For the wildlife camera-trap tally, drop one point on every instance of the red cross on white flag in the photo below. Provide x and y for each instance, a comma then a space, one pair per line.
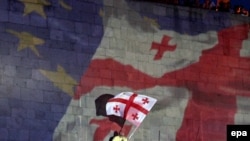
131, 106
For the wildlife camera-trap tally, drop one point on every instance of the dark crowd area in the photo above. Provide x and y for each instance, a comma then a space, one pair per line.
217, 5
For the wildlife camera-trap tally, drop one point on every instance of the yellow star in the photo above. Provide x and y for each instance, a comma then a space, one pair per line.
27, 40
151, 21
35, 6
61, 80
64, 5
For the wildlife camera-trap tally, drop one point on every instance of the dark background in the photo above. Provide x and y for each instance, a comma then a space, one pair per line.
244, 3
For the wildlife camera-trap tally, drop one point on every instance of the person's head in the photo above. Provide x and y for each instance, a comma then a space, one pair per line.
119, 138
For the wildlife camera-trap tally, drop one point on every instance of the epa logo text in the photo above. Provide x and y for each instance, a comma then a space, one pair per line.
238, 132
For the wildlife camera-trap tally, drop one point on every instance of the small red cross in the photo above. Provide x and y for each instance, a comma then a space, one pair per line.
135, 116
162, 47
116, 108
145, 100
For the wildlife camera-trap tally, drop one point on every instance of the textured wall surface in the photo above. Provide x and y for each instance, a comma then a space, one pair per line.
58, 56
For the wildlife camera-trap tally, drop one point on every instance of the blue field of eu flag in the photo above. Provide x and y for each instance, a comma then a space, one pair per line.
43, 44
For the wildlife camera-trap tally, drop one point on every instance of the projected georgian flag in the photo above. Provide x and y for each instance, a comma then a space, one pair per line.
131, 106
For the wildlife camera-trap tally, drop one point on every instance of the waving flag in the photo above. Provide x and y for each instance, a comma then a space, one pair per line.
131, 106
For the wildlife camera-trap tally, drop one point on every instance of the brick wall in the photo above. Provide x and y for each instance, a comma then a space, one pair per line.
58, 56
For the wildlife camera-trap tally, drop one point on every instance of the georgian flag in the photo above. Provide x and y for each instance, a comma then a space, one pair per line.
131, 106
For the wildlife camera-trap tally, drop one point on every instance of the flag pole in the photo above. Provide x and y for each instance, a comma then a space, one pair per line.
133, 132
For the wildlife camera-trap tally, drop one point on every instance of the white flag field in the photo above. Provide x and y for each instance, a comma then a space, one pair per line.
131, 106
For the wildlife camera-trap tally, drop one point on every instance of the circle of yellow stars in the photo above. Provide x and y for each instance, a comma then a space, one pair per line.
59, 78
